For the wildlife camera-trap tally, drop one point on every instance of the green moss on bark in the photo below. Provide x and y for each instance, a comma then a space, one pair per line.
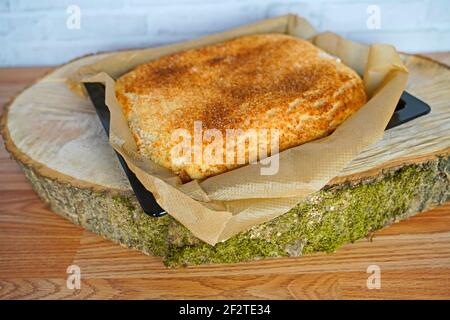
322, 222
329, 218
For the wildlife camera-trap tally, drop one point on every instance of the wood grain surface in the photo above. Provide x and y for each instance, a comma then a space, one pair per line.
37, 246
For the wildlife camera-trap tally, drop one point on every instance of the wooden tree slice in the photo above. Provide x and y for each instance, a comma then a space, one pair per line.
58, 140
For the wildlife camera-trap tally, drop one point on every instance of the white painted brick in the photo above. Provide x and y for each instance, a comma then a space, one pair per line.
33, 32
311, 10
407, 41
404, 15
4, 61
51, 53
344, 17
151, 3
23, 26
101, 26
439, 13
26, 5
354, 16
4, 5
443, 41
196, 20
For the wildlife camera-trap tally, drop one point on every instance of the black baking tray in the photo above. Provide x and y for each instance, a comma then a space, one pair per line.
146, 199
408, 108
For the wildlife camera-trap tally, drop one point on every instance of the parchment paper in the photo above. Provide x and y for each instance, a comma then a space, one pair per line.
221, 206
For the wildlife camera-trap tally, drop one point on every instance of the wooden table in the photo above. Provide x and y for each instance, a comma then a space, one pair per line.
37, 246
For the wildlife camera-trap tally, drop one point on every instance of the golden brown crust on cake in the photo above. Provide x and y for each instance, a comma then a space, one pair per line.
267, 81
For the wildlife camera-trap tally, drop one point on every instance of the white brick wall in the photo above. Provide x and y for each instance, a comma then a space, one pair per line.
34, 32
